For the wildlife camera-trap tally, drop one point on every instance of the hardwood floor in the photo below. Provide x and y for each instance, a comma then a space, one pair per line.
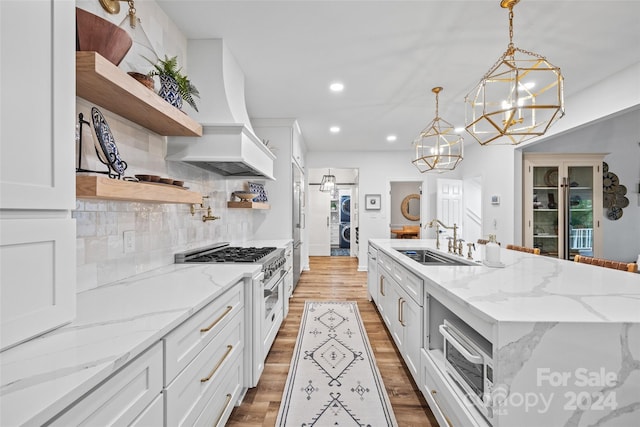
333, 279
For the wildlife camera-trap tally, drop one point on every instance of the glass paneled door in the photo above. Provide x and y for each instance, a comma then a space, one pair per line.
562, 196
578, 192
545, 210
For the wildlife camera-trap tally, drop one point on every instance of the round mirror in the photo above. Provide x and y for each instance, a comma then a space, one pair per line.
411, 207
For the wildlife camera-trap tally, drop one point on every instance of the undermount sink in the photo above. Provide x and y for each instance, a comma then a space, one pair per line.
427, 257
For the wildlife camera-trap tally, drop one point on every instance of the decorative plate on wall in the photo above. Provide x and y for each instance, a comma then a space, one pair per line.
609, 182
613, 194
107, 142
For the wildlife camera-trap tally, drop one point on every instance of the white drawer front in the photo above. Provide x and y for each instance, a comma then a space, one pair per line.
186, 396
152, 416
218, 409
122, 398
411, 283
187, 340
385, 262
446, 405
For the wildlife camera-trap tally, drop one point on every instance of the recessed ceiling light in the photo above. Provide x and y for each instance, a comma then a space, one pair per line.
334, 129
336, 87
391, 138
459, 130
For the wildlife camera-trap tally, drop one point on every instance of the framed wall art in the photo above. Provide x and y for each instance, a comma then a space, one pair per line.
372, 202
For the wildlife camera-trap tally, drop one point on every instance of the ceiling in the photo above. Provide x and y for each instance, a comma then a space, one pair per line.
389, 54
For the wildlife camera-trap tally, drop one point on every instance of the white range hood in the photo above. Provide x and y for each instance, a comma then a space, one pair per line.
228, 145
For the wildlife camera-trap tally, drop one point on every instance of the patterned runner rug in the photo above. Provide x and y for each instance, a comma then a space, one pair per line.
333, 378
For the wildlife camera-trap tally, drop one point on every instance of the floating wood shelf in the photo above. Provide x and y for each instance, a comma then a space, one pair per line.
248, 205
101, 82
102, 187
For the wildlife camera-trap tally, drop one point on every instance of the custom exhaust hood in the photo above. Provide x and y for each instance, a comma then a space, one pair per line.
228, 145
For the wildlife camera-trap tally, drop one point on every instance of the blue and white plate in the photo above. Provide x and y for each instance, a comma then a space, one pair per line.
107, 142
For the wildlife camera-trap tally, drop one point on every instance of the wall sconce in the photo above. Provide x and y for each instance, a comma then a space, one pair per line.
113, 7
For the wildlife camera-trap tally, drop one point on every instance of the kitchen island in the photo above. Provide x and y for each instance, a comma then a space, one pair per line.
564, 338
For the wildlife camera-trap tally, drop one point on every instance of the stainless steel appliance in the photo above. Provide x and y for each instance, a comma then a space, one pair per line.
263, 299
298, 221
469, 362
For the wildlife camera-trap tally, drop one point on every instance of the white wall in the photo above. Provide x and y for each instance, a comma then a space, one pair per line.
376, 169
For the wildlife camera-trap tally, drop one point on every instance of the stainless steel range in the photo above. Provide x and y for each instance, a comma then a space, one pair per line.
263, 299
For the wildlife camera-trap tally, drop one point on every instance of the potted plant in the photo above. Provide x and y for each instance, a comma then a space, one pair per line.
174, 86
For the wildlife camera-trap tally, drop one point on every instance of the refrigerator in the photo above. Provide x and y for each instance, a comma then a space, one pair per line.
298, 221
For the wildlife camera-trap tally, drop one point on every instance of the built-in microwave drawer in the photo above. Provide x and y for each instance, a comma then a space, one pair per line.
122, 398
187, 396
448, 405
183, 343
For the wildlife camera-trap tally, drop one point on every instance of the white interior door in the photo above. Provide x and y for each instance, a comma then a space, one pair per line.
449, 204
319, 232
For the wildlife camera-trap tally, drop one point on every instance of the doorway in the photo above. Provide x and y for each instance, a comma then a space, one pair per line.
405, 202
334, 214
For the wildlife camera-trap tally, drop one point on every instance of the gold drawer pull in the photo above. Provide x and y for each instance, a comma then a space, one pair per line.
215, 322
224, 409
435, 399
215, 368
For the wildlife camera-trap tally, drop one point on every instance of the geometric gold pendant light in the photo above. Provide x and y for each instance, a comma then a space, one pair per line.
519, 98
438, 147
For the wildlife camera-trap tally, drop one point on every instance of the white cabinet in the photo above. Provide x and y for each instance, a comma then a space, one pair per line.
399, 299
35, 300
406, 328
37, 174
187, 340
37, 112
124, 398
404, 311
204, 359
563, 204
372, 274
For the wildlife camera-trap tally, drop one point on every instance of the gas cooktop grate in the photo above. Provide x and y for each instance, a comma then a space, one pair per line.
234, 254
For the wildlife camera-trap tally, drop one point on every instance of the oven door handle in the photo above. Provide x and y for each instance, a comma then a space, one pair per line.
473, 358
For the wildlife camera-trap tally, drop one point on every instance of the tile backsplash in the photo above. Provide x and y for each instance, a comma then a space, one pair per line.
160, 230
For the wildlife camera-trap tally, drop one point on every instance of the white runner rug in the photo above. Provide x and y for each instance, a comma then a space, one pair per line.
333, 378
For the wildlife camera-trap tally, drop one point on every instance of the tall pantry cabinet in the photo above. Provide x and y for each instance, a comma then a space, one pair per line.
562, 209
37, 172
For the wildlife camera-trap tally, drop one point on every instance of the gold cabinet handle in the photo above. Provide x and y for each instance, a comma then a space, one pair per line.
215, 368
401, 312
215, 322
435, 399
224, 409
382, 285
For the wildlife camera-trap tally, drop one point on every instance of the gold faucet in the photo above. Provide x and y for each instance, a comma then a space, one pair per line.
208, 216
437, 223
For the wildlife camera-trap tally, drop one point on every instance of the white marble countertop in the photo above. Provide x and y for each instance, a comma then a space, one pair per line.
114, 324
531, 288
